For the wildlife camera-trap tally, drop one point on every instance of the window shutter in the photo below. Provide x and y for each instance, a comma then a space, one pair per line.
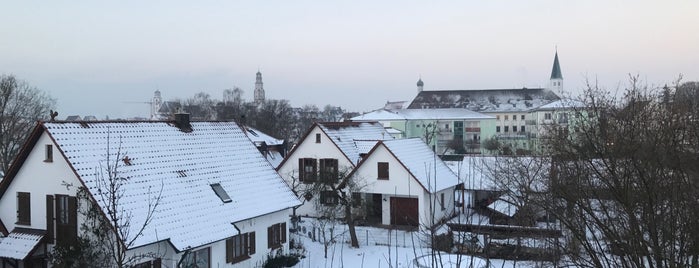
315, 169
245, 245
283, 232
323, 170
49, 219
24, 215
73, 218
229, 250
251, 249
157, 263
270, 233
301, 169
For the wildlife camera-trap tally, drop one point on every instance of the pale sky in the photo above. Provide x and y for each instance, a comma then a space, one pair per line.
95, 57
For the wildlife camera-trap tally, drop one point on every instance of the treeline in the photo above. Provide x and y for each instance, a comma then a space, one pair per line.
274, 117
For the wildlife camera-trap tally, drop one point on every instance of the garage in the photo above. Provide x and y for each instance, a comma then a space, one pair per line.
404, 211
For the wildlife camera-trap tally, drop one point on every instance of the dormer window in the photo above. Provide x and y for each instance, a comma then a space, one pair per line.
221, 193
48, 155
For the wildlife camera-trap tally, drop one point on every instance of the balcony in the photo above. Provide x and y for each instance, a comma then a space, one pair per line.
472, 129
530, 122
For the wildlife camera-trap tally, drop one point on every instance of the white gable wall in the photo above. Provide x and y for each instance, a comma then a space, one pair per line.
308, 148
39, 178
401, 184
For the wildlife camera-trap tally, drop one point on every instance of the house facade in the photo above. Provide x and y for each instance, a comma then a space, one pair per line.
406, 184
327, 150
201, 191
440, 128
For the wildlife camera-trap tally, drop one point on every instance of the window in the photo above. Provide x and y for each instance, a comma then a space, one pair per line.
382, 170
66, 220
497, 129
240, 247
507, 128
328, 198
308, 168
441, 201
317, 137
497, 117
356, 200
198, 259
276, 235
49, 153
221, 193
507, 117
521, 128
514, 117
157, 263
522, 117
514, 128
547, 116
328, 170
24, 213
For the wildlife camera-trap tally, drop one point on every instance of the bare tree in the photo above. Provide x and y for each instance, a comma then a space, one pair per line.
21, 105
626, 180
107, 230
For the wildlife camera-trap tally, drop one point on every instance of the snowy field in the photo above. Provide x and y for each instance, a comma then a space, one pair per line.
341, 255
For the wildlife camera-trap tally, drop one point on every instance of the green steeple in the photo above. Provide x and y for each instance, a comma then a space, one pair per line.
556, 71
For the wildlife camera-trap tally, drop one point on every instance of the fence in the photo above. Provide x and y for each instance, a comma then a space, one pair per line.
368, 236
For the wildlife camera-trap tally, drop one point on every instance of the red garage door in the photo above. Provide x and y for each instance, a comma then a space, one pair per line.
404, 211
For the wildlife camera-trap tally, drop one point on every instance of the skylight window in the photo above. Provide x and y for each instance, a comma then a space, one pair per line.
221, 193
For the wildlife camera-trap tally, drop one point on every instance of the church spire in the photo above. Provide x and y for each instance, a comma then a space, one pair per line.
259, 90
420, 84
556, 80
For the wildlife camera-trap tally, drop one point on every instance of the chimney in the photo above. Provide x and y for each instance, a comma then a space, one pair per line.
182, 122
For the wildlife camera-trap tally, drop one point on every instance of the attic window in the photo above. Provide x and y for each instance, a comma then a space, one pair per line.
221, 193
317, 137
253, 132
48, 157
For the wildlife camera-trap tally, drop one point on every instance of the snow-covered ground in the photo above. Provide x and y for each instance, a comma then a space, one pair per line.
340, 254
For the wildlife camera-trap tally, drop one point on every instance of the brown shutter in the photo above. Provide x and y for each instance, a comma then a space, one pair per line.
251, 249
73, 219
49, 219
245, 248
315, 169
301, 169
229, 250
24, 213
157, 263
270, 233
323, 173
283, 232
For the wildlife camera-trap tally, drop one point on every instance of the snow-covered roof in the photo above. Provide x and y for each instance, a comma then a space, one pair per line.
422, 163
345, 135
485, 100
157, 156
364, 146
503, 206
18, 244
562, 104
422, 114
474, 172
258, 137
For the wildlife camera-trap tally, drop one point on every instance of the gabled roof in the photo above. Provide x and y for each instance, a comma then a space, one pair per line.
346, 134
422, 114
350, 138
485, 100
422, 163
556, 70
183, 165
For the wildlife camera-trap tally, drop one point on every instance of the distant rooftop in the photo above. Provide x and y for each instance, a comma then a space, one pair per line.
485, 100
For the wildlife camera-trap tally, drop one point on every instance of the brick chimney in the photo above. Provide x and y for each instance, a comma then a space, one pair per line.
182, 122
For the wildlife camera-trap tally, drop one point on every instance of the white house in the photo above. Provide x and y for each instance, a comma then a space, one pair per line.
214, 199
327, 149
406, 184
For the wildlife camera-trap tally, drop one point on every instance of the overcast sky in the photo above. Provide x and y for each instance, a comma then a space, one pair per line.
96, 57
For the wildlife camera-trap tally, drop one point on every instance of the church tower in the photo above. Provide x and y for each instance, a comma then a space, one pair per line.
155, 105
556, 82
420, 84
259, 90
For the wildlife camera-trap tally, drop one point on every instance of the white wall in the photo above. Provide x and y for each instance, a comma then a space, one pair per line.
308, 148
39, 178
400, 184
